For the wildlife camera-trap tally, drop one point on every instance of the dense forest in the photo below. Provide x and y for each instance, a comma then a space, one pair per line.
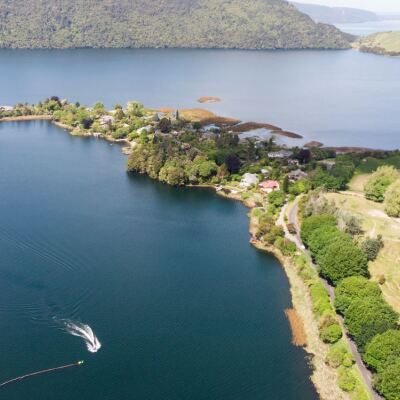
244, 24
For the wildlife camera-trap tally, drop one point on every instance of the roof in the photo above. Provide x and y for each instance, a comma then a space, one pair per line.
269, 184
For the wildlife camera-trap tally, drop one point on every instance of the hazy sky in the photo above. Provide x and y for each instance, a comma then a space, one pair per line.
374, 5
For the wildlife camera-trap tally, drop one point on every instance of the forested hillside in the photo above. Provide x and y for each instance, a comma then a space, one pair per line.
245, 24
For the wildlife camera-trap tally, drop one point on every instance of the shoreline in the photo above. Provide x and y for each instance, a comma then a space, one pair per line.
323, 377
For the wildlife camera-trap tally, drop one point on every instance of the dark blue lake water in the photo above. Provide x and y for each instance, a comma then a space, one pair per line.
184, 307
341, 98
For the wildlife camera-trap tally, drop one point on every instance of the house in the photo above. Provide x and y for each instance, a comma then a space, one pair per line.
265, 172
145, 129
6, 108
249, 180
280, 154
293, 161
297, 175
106, 120
269, 186
212, 128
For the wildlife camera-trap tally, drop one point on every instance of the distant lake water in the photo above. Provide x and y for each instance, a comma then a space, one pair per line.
184, 307
367, 28
341, 98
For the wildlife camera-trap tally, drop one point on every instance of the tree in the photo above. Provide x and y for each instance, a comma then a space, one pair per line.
165, 125
354, 288
285, 184
383, 350
341, 260
322, 237
378, 183
314, 222
388, 382
323, 179
392, 200
233, 163
304, 156
368, 317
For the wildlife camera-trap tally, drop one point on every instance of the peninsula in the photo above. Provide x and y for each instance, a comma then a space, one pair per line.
383, 43
301, 210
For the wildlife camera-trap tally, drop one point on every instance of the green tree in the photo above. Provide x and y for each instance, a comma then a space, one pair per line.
392, 200
388, 381
383, 350
368, 317
320, 239
379, 181
314, 222
355, 288
341, 260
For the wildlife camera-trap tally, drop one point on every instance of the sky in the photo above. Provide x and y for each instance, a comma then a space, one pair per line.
373, 5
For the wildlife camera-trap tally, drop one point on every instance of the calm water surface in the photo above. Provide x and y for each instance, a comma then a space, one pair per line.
367, 28
184, 307
338, 97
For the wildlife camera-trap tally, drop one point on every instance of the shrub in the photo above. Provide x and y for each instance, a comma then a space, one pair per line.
388, 381
341, 260
378, 183
339, 355
287, 247
346, 380
314, 222
392, 200
354, 288
383, 350
120, 133
335, 357
368, 317
320, 299
273, 233
331, 333
371, 248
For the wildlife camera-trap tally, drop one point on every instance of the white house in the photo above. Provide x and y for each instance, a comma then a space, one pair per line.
249, 180
280, 154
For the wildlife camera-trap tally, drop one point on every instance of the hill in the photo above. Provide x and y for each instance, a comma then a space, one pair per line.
385, 43
244, 24
336, 15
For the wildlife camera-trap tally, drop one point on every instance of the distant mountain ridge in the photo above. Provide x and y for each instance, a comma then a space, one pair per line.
336, 15
243, 24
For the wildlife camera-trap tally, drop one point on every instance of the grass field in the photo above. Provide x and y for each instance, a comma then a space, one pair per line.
375, 222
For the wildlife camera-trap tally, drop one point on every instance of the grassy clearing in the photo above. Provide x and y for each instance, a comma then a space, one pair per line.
385, 269
358, 182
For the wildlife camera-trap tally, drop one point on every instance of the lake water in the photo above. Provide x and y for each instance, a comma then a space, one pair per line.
184, 307
341, 98
370, 27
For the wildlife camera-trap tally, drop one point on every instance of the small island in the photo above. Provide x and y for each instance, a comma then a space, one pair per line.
208, 99
330, 215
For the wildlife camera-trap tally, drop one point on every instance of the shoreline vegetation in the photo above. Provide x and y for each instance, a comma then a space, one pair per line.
181, 149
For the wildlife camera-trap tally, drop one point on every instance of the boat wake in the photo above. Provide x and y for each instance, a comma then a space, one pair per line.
85, 332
